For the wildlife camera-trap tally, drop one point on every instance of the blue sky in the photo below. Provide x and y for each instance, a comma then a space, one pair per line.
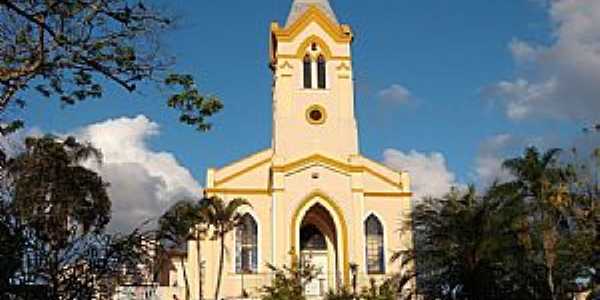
471, 73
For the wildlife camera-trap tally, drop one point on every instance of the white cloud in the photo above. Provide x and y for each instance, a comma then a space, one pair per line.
428, 172
143, 182
522, 52
559, 80
14, 143
492, 153
395, 93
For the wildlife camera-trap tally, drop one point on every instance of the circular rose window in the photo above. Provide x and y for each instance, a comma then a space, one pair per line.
316, 115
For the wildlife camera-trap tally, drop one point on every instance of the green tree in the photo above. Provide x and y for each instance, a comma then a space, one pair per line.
581, 242
70, 49
53, 192
459, 239
383, 291
177, 226
387, 290
594, 216
542, 185
534, 237
288, 282
223, 217
61, 210
343, 293
12, 244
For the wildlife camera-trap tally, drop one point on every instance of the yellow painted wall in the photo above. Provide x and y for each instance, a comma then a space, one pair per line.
307, 164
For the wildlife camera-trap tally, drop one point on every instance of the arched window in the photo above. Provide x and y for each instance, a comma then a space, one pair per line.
246, 246
321, 72
374, 246
307, 72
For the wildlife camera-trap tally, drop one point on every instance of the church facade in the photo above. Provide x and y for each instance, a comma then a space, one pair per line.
313, 195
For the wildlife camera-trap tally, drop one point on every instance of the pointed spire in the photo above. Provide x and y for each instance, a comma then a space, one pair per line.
300, 6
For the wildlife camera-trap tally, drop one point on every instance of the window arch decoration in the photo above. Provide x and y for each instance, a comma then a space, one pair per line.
374, 245
246, 245
308, 42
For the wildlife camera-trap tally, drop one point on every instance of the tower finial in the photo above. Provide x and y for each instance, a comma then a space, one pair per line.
300, 6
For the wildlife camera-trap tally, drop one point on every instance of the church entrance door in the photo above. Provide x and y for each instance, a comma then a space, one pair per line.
318, 246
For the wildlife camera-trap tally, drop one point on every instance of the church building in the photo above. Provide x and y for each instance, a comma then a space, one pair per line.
313, 195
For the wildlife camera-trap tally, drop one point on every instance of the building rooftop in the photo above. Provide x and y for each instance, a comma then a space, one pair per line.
299, 7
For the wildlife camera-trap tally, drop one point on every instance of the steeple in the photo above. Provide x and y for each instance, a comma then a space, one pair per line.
300, 6
313, 92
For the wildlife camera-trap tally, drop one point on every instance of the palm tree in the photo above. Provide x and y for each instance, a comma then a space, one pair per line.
457, 239
178, 225
224, 218
200, 231
542, 185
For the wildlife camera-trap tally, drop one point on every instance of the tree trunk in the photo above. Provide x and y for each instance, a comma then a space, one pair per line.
221, 261
551, 284
185, 278
550, 241
199, 258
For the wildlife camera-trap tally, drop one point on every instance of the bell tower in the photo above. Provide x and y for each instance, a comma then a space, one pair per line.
313, 92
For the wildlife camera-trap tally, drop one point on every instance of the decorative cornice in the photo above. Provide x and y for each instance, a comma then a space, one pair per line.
286, 65
340, 33
246, 191
343, 67
342, 166
238, 191
294, 165
240, 172
296, 56
388, 194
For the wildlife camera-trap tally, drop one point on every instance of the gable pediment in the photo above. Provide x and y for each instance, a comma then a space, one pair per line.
315, 159
254, 167
340, 33
357, 164
253, 174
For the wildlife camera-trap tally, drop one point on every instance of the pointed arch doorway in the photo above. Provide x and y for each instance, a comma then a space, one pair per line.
320, 235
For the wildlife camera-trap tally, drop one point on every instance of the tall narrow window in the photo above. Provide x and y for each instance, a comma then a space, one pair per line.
321, 72
374, 246
246, 246
307, 72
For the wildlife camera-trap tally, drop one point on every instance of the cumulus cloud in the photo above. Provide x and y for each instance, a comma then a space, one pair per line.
395, 93
559, 80
143, 182
428, 171
14, 143
492, 153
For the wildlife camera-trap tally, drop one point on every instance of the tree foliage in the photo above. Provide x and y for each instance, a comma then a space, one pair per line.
189, 220
534, 237
54, 214
223, 218
193, 106
177, 226
54, 194
454, 238
288, 282
70, 49
387, 290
